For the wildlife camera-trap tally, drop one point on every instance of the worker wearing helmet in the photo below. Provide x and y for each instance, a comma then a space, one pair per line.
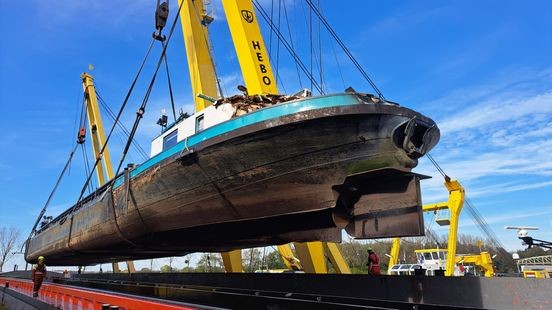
39, 274
373, 263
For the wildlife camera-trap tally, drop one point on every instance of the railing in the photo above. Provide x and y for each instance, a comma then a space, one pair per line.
67, 297
537, 260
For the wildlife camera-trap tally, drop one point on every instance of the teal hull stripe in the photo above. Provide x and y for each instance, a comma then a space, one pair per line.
261, 115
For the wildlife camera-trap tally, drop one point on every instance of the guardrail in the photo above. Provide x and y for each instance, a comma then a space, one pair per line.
66, 297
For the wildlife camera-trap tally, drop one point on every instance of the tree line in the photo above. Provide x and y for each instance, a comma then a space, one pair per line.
354, 252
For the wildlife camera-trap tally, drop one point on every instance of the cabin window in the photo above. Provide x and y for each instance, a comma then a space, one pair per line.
199, 123
170, 140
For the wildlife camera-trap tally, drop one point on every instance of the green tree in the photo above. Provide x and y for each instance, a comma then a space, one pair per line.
167, 268
251, 260
274, 260
210, 262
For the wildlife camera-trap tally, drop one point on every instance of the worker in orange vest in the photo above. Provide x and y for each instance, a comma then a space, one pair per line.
373, 263
39, 274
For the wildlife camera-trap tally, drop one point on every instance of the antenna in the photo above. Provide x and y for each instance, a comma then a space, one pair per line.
527, 240
522, 230
162, 121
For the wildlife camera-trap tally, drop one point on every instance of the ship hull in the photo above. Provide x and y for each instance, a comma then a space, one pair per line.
297, 177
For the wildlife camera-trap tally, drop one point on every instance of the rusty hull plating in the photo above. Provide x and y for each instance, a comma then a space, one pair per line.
299, 177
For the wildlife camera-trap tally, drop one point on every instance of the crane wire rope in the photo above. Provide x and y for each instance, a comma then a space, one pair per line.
291, 43
67, 166
314, 57
320, 70
139, 116
286, 44
345, 49
310, 43
332, 45
476, 216
169, 81
43, 211
278, 45
209, 44
121, 110
270, 34
121, 126
86, 165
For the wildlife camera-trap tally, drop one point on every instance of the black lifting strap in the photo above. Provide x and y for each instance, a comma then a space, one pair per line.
161, 15
43, 211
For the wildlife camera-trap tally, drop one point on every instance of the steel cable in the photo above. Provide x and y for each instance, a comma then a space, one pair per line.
345, 49
287, 46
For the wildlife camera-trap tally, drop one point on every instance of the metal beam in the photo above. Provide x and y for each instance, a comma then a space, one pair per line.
232, 261
394, 254
311, 255
336, 258
104, 170
250, 48
200, 64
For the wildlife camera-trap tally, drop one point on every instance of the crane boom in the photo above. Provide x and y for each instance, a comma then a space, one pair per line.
250, 47
200, 64
104, 171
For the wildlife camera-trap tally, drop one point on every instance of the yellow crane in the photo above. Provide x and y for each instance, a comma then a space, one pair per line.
482, 260
454, 205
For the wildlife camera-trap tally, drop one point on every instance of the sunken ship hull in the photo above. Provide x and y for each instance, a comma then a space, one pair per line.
304, 173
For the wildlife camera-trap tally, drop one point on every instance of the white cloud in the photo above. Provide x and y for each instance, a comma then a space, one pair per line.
509, 217
497, 141
493, 110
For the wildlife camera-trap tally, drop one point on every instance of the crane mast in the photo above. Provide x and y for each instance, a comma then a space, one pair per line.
104, 171
196, 38
250, 47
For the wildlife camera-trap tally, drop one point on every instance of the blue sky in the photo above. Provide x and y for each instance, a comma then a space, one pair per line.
481, 69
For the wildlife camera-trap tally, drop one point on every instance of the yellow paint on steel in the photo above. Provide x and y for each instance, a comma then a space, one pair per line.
455, 203
200, 64
104, 170
484, 261
232, 261
336, 258
291, 262
312, 257
250, 48
394, 254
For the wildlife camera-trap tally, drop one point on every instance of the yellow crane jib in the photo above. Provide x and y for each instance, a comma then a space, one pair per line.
200, 63
96, 130
250, 48
483, 260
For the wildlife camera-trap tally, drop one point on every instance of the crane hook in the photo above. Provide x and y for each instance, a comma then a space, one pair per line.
161, 16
